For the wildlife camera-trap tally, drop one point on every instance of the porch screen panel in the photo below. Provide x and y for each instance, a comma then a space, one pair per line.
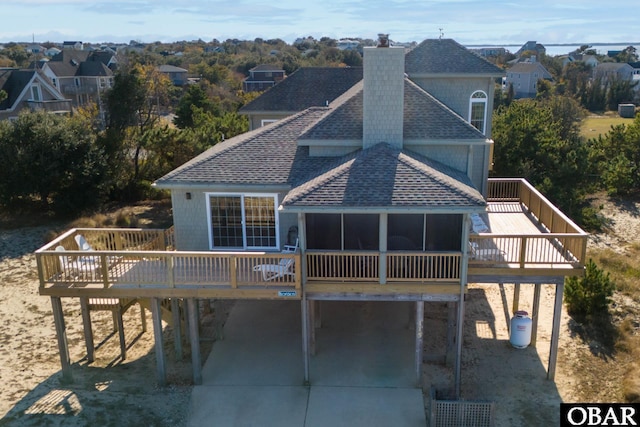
444, 232
260, 220
405, 232
226, 221
324, 231
361, 232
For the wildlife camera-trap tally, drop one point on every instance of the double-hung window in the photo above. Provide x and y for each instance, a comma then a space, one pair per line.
478, 110
243, 221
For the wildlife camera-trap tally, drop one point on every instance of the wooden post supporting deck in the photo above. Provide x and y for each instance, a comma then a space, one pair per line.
195, 341
419, 341
555, 333
535, 314
312, 327
157, 335
177, 327
88, 331
516, 297
61, 334
305, 337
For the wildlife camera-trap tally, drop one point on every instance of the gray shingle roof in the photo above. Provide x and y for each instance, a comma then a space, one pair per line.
382, 177
13, 82
425, 118
439, 56
265, 156
306, 87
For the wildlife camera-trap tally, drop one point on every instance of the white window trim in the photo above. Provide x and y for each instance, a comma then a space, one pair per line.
244, 233
265, 122
38, 90
485, 101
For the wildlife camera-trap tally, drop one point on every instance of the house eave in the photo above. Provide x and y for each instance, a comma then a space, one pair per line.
455, 75
222, 187
380, 209
425, 142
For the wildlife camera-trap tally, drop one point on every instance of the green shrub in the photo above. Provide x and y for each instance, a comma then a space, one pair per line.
589, 296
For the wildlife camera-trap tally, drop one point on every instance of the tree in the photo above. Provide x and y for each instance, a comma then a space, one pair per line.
589, 296
195, 97
539, 140
53, 160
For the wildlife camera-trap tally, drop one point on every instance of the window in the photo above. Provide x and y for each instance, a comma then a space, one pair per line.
35, 93
343, 231
265, 122
243, 221
77, 81
478, 110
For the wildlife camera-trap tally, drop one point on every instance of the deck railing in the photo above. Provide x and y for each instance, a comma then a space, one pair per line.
139, 258
563, 244
364, 266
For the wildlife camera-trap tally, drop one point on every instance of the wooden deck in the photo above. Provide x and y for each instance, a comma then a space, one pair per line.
528, 241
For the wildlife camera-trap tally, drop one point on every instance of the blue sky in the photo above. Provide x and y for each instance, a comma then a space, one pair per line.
467, 21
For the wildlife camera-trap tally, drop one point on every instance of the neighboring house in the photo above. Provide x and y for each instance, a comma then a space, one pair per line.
177, 75
614, 70
35, 49
589, 60
347, 44
531, 46
524, 76
383, 192
80, 75
52, 51
29, 90
306, 87
263, 77
73, 45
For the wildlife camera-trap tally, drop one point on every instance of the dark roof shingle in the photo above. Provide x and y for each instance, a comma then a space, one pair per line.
440, 56
306, 87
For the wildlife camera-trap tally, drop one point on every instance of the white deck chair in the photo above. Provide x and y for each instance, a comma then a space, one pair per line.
282, 268
83, 245
77, 267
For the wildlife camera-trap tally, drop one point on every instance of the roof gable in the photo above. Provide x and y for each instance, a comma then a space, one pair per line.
382, 177
306, 87
440, 56
425, 118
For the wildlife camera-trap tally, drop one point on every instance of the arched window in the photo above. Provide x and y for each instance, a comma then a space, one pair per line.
478, 110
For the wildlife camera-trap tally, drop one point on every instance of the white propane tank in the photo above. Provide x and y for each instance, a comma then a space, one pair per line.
520, 330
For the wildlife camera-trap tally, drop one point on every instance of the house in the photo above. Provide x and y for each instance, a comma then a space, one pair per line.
177, 75
304, 88
381, 194
80, 75
524, 77
263, 77
589, 60
614, 70
29, 90
531, 46
73, 45
348, 44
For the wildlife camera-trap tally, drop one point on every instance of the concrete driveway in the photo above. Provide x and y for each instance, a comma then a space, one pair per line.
362, 373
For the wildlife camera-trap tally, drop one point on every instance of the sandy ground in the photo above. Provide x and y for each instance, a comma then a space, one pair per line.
115, 392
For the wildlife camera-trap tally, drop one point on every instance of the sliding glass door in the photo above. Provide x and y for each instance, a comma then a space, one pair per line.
242, 221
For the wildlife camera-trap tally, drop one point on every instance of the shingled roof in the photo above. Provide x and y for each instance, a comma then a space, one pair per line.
425, 118
446, 56
306, 87
13, 82
376, 177
265, 156
382, 177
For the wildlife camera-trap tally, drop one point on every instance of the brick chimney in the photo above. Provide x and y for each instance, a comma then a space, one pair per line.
383, 94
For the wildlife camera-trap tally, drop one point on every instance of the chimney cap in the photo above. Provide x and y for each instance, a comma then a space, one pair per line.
383, 40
